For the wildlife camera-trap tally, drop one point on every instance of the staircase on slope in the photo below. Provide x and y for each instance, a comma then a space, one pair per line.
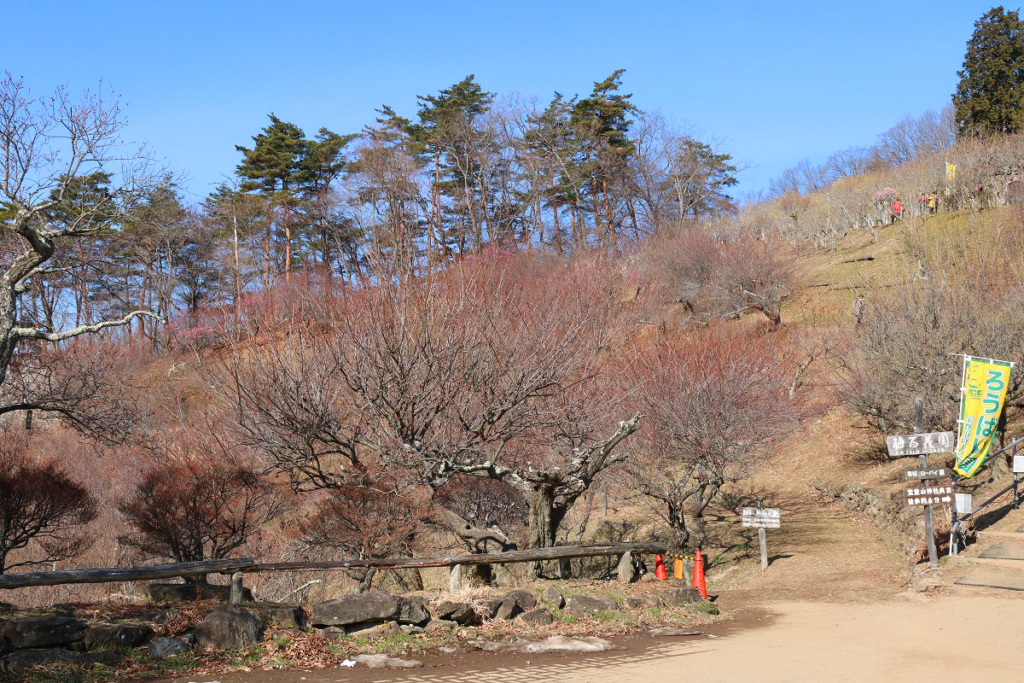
997, 559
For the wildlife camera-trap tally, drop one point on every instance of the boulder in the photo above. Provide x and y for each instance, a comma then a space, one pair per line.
388, 628
439, 625
554, 596
20, 660
116, 635
229, 627
411, 630
508, 609
459, 612
489, 608
162, 648
43, 631
386, 662
359, 608
634, 602
589, 605
161, 617
331, 632
525, 599
190, 592
413, 611
285, 616
538, 616
679, 597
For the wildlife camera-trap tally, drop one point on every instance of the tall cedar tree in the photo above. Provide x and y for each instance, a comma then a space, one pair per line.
989, 96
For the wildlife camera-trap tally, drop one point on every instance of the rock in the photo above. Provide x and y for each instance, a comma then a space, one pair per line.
116, 635
411, 630
633, 602
190, 592
554, 596
19, 660
373, 630
525, 599
162, 648
666, 631
538, 616
161, 617
589, 605
459, 612
566, 644
413, 611
680, 597
7, 608
229, 627
654, 600
286, 616
439, 625
331, 632
490, 607
508, 609
5, 647
360, 608
386, 662
44, 631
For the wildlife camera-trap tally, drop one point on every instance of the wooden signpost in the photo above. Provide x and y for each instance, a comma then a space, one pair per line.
921, 444
761, 519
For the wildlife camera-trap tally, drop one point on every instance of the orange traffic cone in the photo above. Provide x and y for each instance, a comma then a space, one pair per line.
698, 575
659, 567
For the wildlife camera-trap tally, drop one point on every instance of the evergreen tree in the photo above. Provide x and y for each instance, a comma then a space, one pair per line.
275, 167
990, 94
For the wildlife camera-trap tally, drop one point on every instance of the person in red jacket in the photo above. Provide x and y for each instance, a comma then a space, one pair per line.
897, 209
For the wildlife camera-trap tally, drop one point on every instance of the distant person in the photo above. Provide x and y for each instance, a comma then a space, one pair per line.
857, 308
933, 202
897, 209
1015, 191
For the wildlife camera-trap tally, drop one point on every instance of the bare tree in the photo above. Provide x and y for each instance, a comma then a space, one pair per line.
717, 404
48, 145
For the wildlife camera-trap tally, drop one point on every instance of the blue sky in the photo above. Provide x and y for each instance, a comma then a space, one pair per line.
776, 82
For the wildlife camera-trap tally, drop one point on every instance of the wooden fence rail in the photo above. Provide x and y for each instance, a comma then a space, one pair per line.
247, 565
160, 571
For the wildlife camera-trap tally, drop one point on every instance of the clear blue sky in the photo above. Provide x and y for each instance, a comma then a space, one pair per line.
776, 81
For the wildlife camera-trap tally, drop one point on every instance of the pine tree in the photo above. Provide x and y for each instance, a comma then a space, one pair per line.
990, 94
275, 167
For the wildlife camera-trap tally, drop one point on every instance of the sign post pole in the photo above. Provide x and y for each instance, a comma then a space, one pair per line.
922, 461
762, 536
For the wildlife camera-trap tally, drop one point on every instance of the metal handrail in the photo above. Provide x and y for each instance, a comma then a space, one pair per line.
1013, 486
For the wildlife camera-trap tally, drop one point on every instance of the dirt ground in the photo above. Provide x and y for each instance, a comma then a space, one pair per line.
833, 606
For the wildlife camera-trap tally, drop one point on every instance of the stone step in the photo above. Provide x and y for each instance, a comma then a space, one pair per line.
1003, 550
1017, 535
993, 577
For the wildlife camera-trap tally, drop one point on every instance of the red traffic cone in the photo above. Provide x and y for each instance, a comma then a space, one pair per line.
698, 575
659, 567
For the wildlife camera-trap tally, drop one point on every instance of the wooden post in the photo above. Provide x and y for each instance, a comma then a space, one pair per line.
455, 579
922, 461
762, 537
626, 572
235, 595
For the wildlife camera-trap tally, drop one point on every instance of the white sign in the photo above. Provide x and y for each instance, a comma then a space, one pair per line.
930, 495
1018, 464
919, 444
765, 518
964, 503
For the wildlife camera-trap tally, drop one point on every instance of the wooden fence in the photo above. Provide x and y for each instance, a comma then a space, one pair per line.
245, 565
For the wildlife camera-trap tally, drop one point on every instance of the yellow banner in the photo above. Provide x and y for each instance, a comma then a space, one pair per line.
950, 171
984, 391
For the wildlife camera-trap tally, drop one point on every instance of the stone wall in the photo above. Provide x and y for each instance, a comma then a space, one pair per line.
887, 511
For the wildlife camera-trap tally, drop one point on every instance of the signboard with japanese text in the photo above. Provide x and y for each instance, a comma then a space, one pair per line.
930, 495
765, 518
928, 473
981, 403
919, 444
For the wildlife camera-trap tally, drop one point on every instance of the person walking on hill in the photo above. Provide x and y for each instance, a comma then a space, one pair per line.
897, 209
